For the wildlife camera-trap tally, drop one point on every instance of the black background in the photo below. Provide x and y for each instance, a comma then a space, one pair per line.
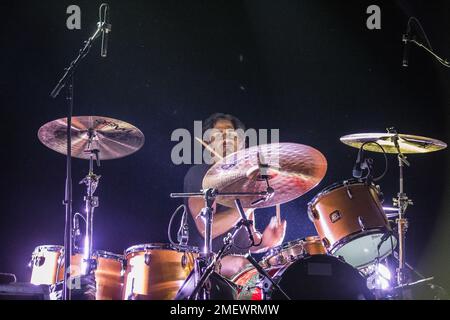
310, 68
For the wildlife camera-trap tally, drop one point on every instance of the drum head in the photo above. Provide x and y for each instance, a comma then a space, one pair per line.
362, 251
322, 277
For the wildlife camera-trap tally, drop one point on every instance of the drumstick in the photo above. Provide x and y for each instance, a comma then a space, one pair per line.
278, 211
209, 148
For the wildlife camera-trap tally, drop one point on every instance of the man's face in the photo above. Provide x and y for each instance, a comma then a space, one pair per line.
224, 138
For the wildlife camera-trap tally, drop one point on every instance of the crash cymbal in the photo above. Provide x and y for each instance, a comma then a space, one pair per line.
113, 138
293, 169
407, 143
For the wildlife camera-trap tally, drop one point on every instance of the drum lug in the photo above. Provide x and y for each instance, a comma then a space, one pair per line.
347, 187
313, 214
38, 261
94, 264
326, 242
123, 267
361, 223
147, 259
184, 261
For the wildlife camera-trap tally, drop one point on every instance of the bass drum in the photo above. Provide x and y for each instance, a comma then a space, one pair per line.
320, 277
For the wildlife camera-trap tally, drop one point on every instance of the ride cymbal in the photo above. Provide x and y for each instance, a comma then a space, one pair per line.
292, 170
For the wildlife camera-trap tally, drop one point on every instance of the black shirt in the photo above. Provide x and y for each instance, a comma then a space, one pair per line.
193, 183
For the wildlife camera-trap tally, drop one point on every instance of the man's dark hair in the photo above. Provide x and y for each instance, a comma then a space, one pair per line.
212, 119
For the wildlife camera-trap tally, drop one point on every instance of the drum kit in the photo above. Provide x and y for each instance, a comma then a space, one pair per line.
355, 233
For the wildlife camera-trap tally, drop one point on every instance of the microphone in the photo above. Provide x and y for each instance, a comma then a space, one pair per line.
406, 39
357, 169
106, 29
76, 225
183, 231
76, 230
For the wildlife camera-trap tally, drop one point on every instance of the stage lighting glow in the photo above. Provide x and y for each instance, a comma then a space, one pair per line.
380, 279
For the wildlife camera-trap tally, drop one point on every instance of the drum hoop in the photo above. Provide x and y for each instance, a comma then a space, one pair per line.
159, 246
355, 235
49, 247
107, 255
278, 249
335, 186
236, 276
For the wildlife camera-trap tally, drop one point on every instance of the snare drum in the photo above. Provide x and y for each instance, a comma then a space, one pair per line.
351, 222
291, 251
48, 268
156, 271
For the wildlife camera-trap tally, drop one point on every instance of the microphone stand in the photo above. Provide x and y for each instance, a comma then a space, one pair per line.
68, 80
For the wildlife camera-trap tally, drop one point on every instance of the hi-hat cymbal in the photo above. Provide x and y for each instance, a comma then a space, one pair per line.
112, 138
406, 143
293, 169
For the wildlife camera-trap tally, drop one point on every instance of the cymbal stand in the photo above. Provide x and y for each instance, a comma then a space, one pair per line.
402, 202
91, 202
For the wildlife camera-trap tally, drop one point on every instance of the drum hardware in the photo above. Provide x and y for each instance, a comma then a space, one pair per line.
147, 258
38, 261
203, 280
402, 202
360, 222
266, 286
183, 231
76, 231
93, 137
391, 212
207, 261
268, 281
91, 181
422, 279
398, 144
412, 284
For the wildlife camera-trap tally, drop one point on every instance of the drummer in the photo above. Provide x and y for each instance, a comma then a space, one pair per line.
224, 217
